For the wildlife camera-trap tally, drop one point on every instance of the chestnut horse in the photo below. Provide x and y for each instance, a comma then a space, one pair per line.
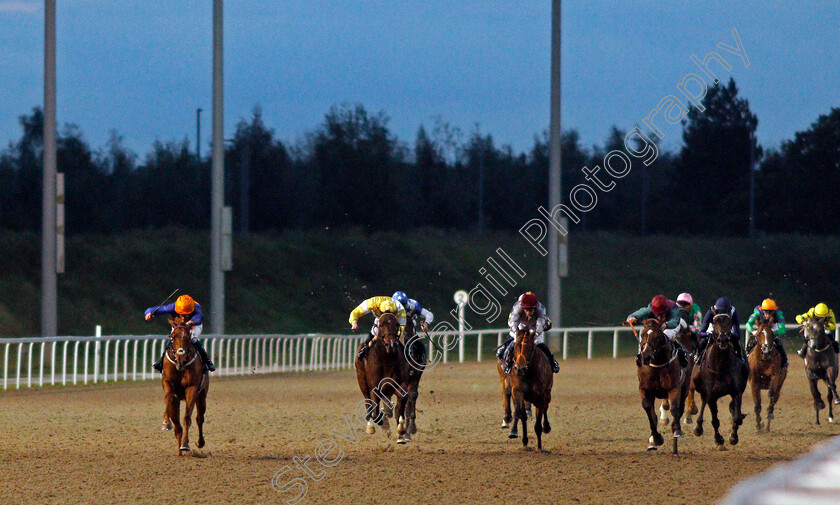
720, 373
184, 378
766, 372
660, 376
380, 376
820, 364
531, 382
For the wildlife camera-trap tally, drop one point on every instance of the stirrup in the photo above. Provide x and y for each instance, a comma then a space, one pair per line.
555, 366
158, 365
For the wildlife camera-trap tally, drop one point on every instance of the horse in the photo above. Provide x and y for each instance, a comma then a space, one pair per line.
688, 339
721, 373
184, 378
532, 383
504, 379
415, 364
766, 372
380, 376
820, 364
660, 376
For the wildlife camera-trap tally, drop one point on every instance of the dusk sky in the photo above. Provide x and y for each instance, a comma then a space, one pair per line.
142, 68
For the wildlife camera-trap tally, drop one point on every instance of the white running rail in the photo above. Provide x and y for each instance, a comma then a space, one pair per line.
82, 360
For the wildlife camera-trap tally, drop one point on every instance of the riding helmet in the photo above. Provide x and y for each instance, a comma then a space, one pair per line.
723, 304
769, 304
528, 300
401, 297
659, 305
821, 310
184, 305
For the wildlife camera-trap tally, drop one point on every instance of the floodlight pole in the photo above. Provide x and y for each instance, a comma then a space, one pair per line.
217, 276
49, 318
554, 178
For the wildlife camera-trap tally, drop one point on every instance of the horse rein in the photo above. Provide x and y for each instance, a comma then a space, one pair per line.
180, 352
530, 356
652, 364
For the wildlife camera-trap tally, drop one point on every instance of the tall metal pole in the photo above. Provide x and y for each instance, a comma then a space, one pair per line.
49, 318
198, 134
752, 186
217, 276
554, 167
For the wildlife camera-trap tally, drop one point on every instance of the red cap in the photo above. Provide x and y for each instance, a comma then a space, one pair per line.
660, 304
528, 301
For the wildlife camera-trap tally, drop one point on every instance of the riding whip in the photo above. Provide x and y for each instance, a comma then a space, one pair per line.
164, 302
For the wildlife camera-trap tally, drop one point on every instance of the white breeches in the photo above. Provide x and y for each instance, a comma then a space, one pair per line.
538, 340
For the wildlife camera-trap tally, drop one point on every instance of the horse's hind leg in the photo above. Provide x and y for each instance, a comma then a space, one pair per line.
690, 406
201, 407
173, 407
399, 416
188, 409
538, 426
506, 403
411, 410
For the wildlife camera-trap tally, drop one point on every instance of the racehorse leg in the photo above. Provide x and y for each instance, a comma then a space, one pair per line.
173, 407
756, 394
190, 404
773, 394
663, 411
690, 406
411, 410
506, 402
538, 426
818, 403
716, 422
735, 412
399, 415
201, 407
546, 425
676, 413
648, 404
831, 395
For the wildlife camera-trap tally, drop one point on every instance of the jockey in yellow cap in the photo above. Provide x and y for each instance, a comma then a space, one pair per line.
820, 311
377, 305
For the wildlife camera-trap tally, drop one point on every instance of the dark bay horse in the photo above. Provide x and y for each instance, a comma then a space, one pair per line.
660, 376
380, 377
184, 378
820, 364
766, 372
689, 341
415, 363
721, 373
531, 380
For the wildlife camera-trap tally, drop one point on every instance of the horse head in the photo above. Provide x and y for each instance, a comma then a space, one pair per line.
652, 340
722, 324
764, 337
523, 350
814, 331
181, 351
389, 330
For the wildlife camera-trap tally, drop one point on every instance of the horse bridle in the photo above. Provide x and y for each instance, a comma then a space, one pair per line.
818, 332
530, 356
718, 337
653, 351
180, 352
396, 335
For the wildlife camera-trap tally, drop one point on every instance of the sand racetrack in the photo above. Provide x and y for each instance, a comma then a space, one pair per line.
103, 444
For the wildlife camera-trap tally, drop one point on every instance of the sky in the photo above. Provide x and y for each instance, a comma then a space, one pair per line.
143, 68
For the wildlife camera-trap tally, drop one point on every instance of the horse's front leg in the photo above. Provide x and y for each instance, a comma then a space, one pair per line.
190, 394
735, 412
716, 423
173, 407
648, 404
676, 401
664, 408
756, 394
815, 392
698, 428
399, 415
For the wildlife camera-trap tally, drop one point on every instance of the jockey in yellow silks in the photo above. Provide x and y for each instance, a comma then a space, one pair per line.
377, 305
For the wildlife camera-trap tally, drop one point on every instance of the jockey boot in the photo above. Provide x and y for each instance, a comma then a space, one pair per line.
781, 348
701, 349
682, 355
751, 344
739, 351
363, 351
836, 346
544, 348
803, 351
158, 365
500, 351
203, 353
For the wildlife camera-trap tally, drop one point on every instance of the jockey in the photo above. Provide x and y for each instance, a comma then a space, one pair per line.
820, 311
190, 310
770, 313
413, 310
527, 314
695, 314
721, 306
377, 305
666, 312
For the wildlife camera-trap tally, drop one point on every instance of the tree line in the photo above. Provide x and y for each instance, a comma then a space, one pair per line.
351, 170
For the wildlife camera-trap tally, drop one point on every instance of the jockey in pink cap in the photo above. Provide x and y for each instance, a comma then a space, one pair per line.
695, 314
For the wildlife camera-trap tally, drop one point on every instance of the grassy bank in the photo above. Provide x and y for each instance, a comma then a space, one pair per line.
309, 281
